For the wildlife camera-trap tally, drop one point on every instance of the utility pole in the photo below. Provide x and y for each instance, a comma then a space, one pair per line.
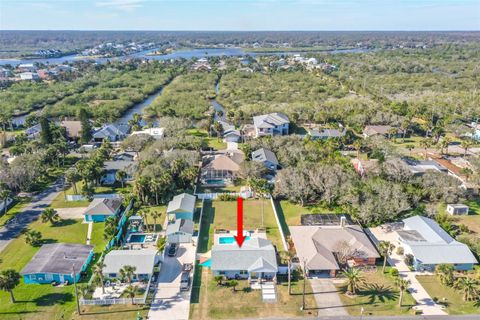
76, 290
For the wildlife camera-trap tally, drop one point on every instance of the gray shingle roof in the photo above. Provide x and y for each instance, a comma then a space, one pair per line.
111, 130
255, 255
180, 225
183, 202
270, 120
262, 155
59, 258
101, 206
143, 260
326, 133
435, 245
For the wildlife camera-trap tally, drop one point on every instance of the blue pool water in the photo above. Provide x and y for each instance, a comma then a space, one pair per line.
228, 240
207, 263
214, 181
137, 238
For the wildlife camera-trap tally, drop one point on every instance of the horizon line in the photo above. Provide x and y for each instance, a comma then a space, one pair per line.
238, 30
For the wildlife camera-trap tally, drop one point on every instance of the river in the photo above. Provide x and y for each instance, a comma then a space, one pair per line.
186, 54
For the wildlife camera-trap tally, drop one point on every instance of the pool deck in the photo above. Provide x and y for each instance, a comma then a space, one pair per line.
231, 233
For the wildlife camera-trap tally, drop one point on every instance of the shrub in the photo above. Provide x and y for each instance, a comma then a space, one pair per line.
400, 251
226, 197
408, 259
394, 272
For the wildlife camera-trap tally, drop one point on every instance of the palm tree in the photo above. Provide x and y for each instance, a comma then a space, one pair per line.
33, 237
233, 284
9, 279
161, 243
354, 279
466, 144
386, 249
72, 176
98, 271
155, 215
358, 145
130, 292
218, 280
444, 143
50, 215
425, 144
402, 285
445, 273
128, 272
469, 288
120, 175
287, 256
144, 214
467, 172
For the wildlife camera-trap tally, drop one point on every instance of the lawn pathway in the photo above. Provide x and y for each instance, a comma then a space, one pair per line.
89, 232
29, 213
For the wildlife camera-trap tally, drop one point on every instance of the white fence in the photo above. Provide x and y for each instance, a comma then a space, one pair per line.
79, 197
213, 196
284, 241
101, 302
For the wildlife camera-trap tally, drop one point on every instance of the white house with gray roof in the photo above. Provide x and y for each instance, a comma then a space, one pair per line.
180, 231
266, 157
430, 245
256, 259
182, 206
142, 260
271, 124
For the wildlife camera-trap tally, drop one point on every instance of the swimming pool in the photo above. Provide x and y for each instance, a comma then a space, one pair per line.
137, 238
228, 240
207, 263
214, 181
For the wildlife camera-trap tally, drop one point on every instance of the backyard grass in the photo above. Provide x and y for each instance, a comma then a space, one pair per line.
449, 296
292, 212
472, 220
17, 207
210, 301
223, 215
378, 297
117, 312
212, 142
43, 301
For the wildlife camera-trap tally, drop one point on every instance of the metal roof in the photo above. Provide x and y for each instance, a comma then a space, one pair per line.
143, 260
180, 225
270, 120
182, 202
59, 258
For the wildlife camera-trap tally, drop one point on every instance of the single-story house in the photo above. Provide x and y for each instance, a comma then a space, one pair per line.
326, 133
256, 259
123, 162
266, 157
34, 131
102, 208
56, 262
142, 260
180, 231
182, 206
430, 245
271, 124
156, 133
73, 129
232, 135
370, 131
320, 247
221, 168
457, 209
420, 167
112, 132
29, 76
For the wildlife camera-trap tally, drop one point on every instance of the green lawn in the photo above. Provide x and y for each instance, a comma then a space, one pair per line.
292, 212
210, 301
223, 214
16, 208
378, 297
43, 301
116, 312
449, 296
212, 142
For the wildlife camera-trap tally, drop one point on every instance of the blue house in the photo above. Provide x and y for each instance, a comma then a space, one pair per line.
57, 262
182, 206
102, 208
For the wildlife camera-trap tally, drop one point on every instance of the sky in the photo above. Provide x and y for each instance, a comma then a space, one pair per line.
240, 15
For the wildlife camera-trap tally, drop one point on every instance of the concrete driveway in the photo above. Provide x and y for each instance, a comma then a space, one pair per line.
326, 296
424, 301
169, 302
71, 213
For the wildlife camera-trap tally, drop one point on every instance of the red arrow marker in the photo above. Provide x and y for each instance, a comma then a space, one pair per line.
239, 237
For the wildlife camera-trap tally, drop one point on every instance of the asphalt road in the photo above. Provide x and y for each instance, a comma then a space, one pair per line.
29, 214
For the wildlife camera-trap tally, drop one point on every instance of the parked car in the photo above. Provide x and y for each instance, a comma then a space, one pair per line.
185, 278
172, 250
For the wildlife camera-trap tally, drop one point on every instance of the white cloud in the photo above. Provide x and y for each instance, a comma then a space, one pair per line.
123, 5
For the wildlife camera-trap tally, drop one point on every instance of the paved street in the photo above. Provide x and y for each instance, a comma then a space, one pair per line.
29, 214
326, 296
424, 301
169, 302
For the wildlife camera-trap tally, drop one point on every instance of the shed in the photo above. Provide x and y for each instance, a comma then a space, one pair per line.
457, 209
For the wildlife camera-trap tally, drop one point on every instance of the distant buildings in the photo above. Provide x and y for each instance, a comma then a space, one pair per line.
370, 131
112, 132
156, 133
420, 167
326, 133
221, 168
29, 76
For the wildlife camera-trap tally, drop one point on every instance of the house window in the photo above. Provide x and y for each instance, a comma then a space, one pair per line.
112, 275
243, 272
222, 273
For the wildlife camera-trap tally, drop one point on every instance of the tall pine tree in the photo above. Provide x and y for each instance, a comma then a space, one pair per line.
86, 134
